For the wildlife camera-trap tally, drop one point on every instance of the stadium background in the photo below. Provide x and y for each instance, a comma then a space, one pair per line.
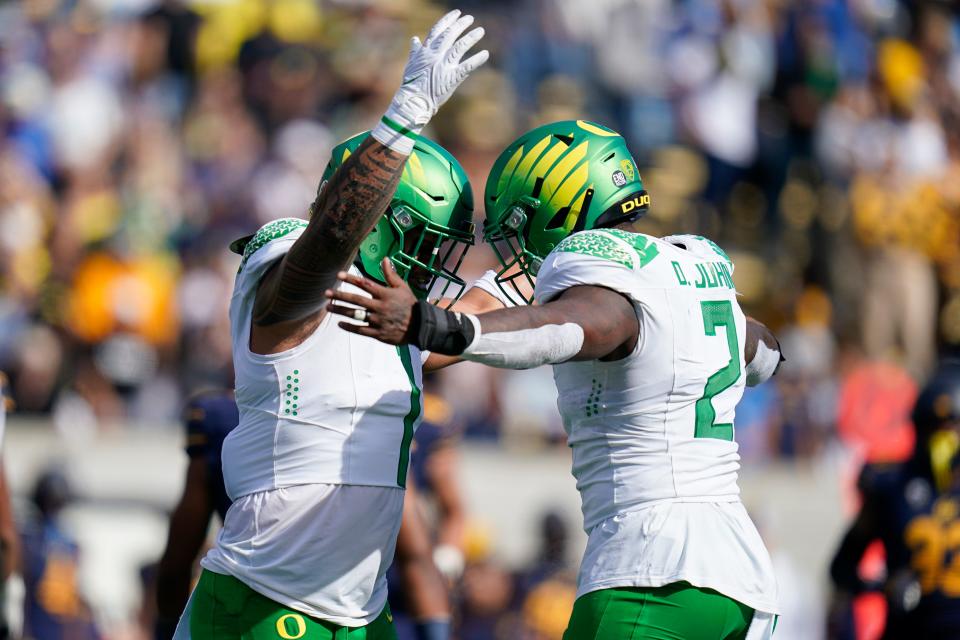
816, 140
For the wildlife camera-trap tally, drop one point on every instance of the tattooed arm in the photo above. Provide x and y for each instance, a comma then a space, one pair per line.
289, 301
342, 215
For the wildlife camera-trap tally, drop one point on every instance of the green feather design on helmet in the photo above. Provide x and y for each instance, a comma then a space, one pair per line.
555, 180
428, 226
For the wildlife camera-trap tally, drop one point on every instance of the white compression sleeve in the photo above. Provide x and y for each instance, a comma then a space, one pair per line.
763, 365
525, 348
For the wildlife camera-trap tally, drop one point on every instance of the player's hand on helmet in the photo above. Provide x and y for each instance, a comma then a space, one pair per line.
434, 70
387, 314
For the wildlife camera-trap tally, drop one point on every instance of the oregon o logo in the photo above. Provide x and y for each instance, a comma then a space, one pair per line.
283, 628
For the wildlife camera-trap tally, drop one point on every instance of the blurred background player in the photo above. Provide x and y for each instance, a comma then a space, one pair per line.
914, 509
434, 459
53, 608
647, 383
427, 544
209, 417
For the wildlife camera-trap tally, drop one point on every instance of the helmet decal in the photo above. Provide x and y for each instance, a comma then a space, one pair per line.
596, 129
555, 180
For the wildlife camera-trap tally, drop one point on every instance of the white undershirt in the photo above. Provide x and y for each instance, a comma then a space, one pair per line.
321, 549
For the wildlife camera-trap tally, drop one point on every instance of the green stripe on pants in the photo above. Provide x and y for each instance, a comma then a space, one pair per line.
224, 608
676, 611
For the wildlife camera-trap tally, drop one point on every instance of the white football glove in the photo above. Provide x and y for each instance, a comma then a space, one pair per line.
432, 74
449, 561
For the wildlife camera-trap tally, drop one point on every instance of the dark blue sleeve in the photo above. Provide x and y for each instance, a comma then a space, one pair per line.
208, 420
877, 481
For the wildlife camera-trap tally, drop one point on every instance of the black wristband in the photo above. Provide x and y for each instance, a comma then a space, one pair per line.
440, 331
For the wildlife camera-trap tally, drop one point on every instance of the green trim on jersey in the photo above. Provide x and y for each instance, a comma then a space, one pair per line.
268, 232
603, 244
224, 608
596, 244
645, 248
410, 419
677, 610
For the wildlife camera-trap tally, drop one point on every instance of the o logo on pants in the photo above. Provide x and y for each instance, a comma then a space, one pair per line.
283, 628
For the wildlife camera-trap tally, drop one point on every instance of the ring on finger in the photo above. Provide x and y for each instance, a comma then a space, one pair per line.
360, 315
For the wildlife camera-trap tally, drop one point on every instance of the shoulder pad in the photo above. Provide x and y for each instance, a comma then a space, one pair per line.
632, 250
704, 247
271, 231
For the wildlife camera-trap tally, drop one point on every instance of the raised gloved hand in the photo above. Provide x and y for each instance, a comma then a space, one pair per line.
434, 70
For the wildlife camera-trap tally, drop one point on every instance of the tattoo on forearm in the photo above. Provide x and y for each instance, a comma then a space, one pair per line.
341, 216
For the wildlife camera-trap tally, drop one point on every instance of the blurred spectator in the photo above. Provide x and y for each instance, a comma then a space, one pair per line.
818, 142
135, 144
53, 606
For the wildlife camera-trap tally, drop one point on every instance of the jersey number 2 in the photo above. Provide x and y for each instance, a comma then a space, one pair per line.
718, 313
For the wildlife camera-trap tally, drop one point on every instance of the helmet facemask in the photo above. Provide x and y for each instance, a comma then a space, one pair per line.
507, 236
429, 256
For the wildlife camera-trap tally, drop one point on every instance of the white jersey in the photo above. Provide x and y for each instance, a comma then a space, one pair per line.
652, 433
324, 437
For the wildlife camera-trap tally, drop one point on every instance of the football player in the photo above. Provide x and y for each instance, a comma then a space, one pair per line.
651, 354
209, 417
417, 588
914, 509
316, 467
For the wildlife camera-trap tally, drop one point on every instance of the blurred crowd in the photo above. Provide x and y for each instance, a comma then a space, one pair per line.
818, 142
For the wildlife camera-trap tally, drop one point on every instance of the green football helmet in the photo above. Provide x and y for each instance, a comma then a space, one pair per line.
552, 181
428, 226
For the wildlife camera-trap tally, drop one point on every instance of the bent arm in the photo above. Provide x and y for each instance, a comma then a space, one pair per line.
566, 328
359, 192
475, 301
342, 215
424, 586
188, 530
761, 352
441, 469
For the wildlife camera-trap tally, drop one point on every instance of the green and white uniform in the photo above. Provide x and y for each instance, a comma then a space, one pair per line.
317, 465
652, 434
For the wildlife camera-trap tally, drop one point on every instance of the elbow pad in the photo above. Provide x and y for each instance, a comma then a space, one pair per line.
764, 365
